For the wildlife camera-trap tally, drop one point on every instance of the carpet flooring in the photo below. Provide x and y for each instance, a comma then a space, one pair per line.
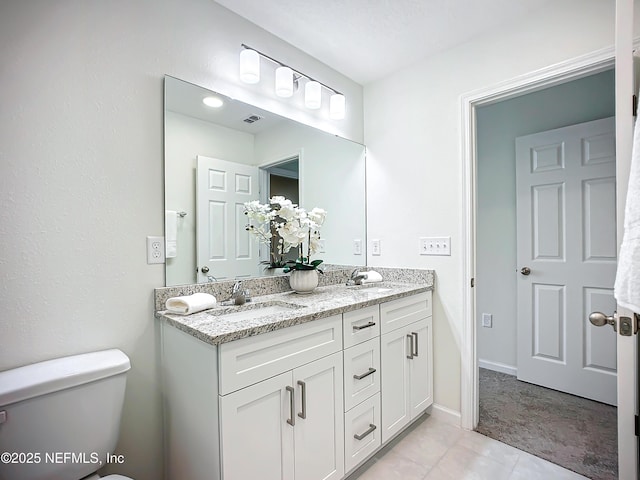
573, 432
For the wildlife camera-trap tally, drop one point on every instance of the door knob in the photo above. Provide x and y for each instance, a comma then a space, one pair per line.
204, 269
599, 319
525, 271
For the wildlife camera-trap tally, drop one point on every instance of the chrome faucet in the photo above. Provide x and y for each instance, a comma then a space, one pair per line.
238, 294
357, 277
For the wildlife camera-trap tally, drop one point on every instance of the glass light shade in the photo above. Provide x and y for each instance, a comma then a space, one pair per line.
336, 106
284, 82
312, 95
249, 66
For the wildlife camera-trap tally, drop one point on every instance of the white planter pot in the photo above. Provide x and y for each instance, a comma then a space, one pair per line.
303, 281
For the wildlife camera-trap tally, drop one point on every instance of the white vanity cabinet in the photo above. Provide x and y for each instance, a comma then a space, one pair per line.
406, 361
307, 402
289, 426
286, 427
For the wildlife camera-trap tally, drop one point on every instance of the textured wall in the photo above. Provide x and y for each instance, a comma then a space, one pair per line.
81, 172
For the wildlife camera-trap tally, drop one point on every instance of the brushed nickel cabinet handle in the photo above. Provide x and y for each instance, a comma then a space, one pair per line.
370, 372
415, 335
292, 407
362, 327
303, 413
371, 428
410, 356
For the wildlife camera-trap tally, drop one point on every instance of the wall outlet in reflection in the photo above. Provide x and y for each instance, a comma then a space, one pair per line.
357, 247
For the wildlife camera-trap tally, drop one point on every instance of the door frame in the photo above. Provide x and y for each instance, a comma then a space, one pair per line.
557, 74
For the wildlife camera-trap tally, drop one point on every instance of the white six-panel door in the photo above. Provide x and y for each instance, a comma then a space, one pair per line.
566, 217
223, 244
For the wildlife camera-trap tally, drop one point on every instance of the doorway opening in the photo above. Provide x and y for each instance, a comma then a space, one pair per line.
537, 272
472, 104
281, 179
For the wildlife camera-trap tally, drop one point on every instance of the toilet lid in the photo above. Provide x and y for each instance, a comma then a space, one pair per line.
115, 477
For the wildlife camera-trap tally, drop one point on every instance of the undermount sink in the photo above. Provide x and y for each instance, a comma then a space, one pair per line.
252, 311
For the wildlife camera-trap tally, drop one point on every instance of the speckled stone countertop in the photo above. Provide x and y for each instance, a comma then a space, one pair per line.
211, 326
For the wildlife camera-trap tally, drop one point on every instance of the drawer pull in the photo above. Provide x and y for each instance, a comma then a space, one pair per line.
292, 407
415, 335
303, 414
370, 372
362, 327
371, 428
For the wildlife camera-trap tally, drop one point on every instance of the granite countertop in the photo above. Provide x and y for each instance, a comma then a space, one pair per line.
212, 327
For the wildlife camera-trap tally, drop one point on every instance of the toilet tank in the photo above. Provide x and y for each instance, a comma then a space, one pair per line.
59, 419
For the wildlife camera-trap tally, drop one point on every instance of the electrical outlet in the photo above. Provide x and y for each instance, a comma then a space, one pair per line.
487, 320
155, 250
375, 247
357, 247
435, 246
321, 248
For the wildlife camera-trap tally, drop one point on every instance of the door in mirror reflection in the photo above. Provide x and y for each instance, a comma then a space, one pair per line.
225, 249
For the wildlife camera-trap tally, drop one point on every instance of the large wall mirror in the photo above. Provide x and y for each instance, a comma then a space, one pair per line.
218, 157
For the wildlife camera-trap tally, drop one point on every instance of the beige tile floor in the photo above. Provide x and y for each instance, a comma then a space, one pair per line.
434, 450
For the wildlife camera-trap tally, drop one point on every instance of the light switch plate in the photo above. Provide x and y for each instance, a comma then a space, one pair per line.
435, 246
375, 247
487, 320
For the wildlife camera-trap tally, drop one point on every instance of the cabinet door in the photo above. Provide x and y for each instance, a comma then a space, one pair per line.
256, 440
421, 367
396, 411
319, 436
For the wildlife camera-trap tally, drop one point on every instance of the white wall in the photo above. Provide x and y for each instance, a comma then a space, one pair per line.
498, 125
413, 138
81, 148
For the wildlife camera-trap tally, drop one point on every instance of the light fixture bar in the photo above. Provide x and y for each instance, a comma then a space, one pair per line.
264, 55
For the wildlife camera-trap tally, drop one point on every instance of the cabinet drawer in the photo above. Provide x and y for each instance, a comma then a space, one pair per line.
402, 312
250, 360
360, 421
361, 372
361, 325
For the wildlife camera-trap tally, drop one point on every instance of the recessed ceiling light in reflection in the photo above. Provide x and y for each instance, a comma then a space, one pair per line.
213, 102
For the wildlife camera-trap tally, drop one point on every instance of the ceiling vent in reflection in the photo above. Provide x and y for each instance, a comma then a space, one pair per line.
252, 119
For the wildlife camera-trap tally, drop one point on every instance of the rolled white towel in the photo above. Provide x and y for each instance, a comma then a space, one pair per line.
189, 304
372, 277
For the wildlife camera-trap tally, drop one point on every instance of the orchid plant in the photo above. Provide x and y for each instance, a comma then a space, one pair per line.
284, 226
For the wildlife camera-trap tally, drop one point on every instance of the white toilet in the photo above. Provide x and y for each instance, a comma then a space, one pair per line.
59, 419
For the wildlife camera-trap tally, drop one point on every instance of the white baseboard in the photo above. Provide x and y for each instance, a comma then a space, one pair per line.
444, 414
498, 367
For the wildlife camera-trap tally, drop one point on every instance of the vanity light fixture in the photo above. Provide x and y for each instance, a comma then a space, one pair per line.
312, 95
213, 102
287, 81
336, 106
249, 66
284, 82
